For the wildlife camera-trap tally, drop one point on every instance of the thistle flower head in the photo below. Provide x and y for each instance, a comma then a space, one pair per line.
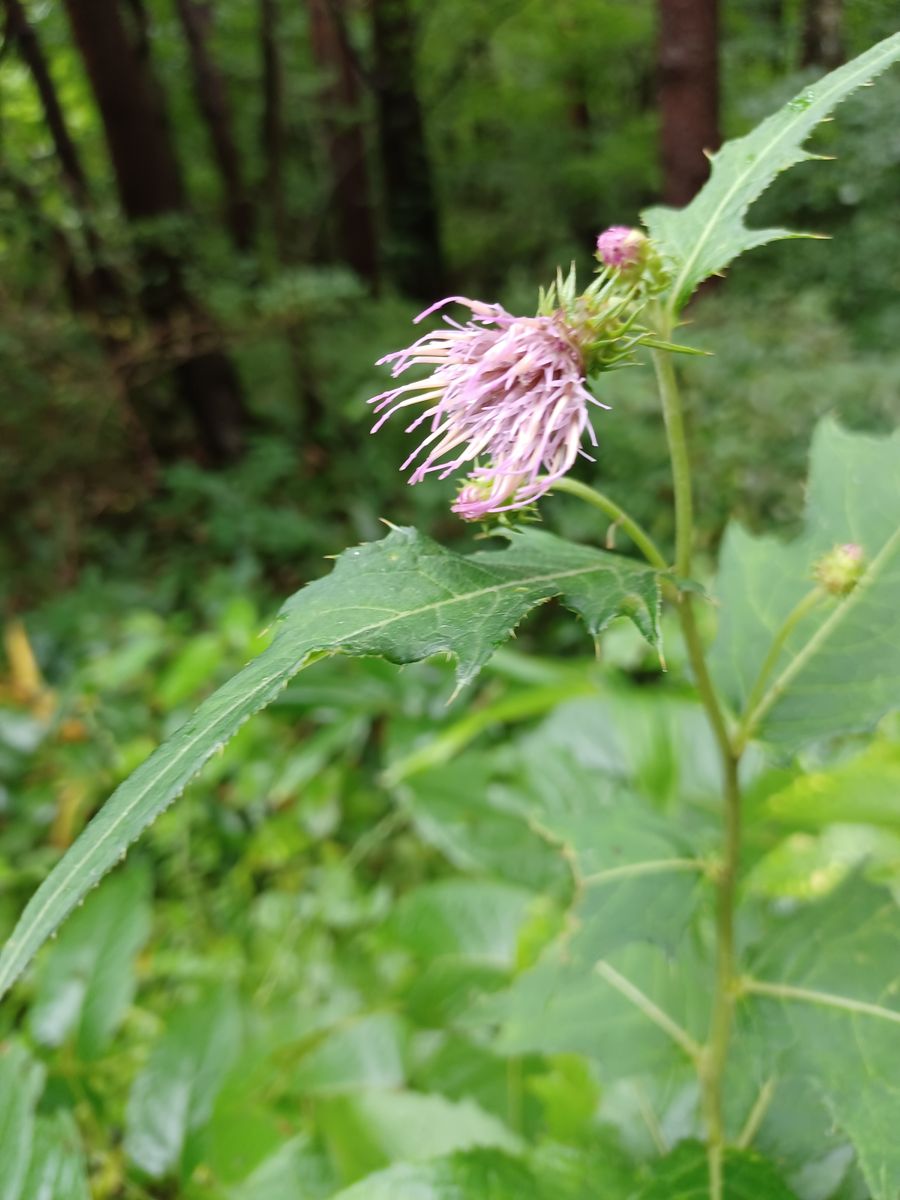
506, 398
622, 247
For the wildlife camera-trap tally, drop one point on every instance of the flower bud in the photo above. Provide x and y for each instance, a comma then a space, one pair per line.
622, 247
840, 570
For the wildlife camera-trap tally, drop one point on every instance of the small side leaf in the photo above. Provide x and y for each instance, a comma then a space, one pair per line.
703, 238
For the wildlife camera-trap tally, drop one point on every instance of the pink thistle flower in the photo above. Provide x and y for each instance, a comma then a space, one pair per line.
622, 247
505, 391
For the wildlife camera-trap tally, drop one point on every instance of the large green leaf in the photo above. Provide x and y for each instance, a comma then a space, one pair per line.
864, 789
839, 669
703, 238
638, 1010
823, 996
87, 980
638, 876
405, 598
611, 986
21, 1080
57, 1170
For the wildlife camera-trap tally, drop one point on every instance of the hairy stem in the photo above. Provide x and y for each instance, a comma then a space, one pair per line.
618, 515
715, 1052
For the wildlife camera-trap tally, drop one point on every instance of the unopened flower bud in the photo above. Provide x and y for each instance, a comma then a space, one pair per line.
622, 247
840, 570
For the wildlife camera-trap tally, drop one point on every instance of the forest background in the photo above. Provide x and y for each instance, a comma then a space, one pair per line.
214, 218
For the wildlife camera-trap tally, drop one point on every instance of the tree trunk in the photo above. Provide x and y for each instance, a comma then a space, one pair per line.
354, 219
688, 94
20, 32
149, 183
414, 248
823, 34
212, 100
273, 121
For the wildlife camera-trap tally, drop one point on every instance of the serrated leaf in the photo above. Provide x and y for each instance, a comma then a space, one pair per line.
840, 666
828, 976
57, 1170
703, 238
87, 979
404, 598
684, 1175
174, 1094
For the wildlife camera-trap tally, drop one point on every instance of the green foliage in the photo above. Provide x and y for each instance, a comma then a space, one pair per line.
420, 600
397, 950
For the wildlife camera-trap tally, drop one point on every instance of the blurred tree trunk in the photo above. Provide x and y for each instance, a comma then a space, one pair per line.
274, 140
212, 99
823, 34
100, 291
357, 243
688, 94
273, 121
414, 248
149, 183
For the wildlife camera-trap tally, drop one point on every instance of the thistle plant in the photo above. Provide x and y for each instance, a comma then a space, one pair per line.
666, 969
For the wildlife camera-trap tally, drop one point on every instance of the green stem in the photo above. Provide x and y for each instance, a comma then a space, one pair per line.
714, 1056
678, 453
757, 691
618, 515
